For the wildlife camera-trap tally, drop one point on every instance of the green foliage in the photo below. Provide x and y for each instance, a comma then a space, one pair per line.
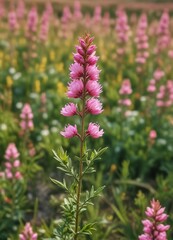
65, 230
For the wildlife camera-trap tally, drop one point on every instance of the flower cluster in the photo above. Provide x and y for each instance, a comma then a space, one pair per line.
27, 233
165, 95
20, 11
142, 41
122, 30
158, 74
84, 84
163, 32
44, 28
125, 90
12, 20
12, 162
27, 118
154, 228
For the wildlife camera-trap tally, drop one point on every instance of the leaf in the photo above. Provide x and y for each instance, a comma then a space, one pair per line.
88, 228
60, 184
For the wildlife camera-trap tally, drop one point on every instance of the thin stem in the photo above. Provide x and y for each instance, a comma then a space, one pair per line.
80, 173
82, 139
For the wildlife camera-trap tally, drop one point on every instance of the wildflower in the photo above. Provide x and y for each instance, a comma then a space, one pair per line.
93, 130
94, 106
152, 134
69, 131
84, 75
12, 163
125, 88
93, 88
27, 118
153, 228
75, 89
69, 110
27, 233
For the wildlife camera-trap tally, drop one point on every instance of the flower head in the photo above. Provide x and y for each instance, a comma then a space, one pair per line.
69, 131
75, 89
27, 233
93, 88
94, 106
69, 110
93, 130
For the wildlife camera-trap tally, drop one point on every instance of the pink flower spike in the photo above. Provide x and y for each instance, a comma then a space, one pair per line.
75, 89
69, 110
93, 88
153, 228
27, 233
69, 131
93, 130
94, 106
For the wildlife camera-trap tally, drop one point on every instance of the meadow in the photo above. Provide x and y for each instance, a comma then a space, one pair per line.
135, 50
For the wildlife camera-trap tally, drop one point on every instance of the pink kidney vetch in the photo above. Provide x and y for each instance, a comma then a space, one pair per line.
77, 15
152, 136
12, 162
122, 31
163, 33
32, 22
2, 9
164, 97
69, 110
106, 21
153, 83
44, 26
141, 41
97, 15
84, 85
28, 233
20, 11
12, 20
125, 91
153, 226
26, 116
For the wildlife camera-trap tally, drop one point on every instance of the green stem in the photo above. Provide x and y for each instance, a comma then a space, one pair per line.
82, 139
80, 170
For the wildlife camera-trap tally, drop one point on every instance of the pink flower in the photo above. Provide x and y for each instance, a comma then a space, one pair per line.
27, 233
152, 228
12, 20
125, 87
84, 75
158, 74
11, 152
69, 131
94, 106
69, 110
93, 73
32, 20
93, 130
125, 102
76, 71
18, 175
12, 164
75, 89
152, 134
26, 116
93, 88
20, 9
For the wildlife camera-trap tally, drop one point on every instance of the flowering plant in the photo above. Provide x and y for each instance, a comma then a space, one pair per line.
84, 85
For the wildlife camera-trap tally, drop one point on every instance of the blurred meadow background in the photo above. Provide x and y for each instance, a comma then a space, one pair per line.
135, 47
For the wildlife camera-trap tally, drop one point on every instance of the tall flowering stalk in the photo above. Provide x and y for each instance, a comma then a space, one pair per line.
84, 85
154, 229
